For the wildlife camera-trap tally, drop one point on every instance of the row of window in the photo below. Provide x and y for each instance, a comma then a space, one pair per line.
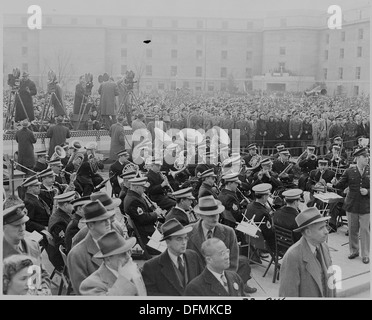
341, 73
210, 86
343, 35
342, 53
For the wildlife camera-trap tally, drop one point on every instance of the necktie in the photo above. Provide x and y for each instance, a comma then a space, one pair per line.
181, 266
224, 281
318, 256
209, 234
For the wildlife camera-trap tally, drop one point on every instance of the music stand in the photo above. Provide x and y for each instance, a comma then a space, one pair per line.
11, 108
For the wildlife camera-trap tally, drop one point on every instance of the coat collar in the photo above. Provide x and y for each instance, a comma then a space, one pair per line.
168, 271
214, 285
92, 249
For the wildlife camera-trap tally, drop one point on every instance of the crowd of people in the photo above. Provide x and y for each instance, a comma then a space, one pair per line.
195, 201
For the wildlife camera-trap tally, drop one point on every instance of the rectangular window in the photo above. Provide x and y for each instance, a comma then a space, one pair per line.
223, 72
174, 39
340, 73
360, 34
342, 51
98, 21
74, 20
359, 52
199, 54
185, 85
161, 86
199, 39
249, 55
357, 73
327, 38
149, 23
123, 69
24, 67
325, 73
326, 54
24, 51
282, 51
123, 38
198, 72
283, 22
199, 24
174, 54
248, 72
225, 24
174, 24
198, 86
124, 22
224, 54
173, 85
356, 90
123, 53
173, 71
210, 86
343, 36
148, 53
148, 70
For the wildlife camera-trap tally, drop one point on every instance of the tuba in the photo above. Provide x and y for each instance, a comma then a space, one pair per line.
59, 153
255, 161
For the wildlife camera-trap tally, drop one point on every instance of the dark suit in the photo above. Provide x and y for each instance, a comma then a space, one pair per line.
38, 212
279, 166
206, 284
39, 166
207, 190
71, 230
285, 218
181, 216
314, 177
157, 193
160, 275
136, 207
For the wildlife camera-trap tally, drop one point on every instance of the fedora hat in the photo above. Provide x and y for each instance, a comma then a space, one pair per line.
112, 243
208, 206
172, 228
105, 199
95, 211
307, 217
15, 215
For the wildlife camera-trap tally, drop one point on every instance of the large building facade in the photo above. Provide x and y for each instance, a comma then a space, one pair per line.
291, 53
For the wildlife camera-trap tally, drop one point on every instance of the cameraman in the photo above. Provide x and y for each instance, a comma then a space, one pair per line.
79, 95
26, 90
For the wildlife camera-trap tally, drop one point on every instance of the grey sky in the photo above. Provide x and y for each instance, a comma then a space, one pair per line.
187, 8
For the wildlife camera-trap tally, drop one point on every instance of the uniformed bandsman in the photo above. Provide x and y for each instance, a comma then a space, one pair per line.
208, 187
116, 169
183, 211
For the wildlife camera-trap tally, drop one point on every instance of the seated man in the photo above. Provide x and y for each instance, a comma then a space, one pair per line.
41, 161
216, 279
118, 275
207, 187
282, 166
307, 164
15, 241
183, 210
266, 175
170, 272
116, 169
285, 217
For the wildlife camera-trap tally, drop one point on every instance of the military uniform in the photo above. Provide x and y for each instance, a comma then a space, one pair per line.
207, 190
181, 215
116, 169
279, 166
38, 212
233, 210
39, 166
136, 207
71, 230
314, 177
157, 193
285, 218
306, 165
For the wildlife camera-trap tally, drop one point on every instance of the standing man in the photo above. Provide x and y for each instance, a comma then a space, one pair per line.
26, 140
295, 132
15, 242
357, 204
58, 134
117, 135
139, 123
183, 211
80, 260
216, 279
116, 169
207, 227
26, 90
79, 95
118, 275
108, 101
170, 272
304, 270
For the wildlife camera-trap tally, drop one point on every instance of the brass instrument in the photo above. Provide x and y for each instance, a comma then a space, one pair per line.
321, 185
287, 168
243, 196
153, 205
180, 164
255, 161
166, 180
313, 157
59, 153
301, 155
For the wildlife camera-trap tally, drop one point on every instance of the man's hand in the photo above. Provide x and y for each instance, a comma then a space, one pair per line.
334, 181
159, 212
363, 191
284, 175
164, 183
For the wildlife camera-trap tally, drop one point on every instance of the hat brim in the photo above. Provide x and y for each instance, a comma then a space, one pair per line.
116, 203
181, 232
99, 218
312, 222
24, 219
130, 243
219, 210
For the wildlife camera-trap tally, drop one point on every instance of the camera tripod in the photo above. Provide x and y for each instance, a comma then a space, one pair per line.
11, 108
46, 108
86, 100
129, 100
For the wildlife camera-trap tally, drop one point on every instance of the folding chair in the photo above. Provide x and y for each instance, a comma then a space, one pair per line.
131, 226
283, 240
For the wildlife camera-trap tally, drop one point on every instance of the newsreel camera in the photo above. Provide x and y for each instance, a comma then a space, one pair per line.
14, 80
52, 82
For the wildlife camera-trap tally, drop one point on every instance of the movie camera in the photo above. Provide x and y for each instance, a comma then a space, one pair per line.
14, 80
52, 82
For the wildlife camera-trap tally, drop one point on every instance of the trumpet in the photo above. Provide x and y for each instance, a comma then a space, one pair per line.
313, 157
